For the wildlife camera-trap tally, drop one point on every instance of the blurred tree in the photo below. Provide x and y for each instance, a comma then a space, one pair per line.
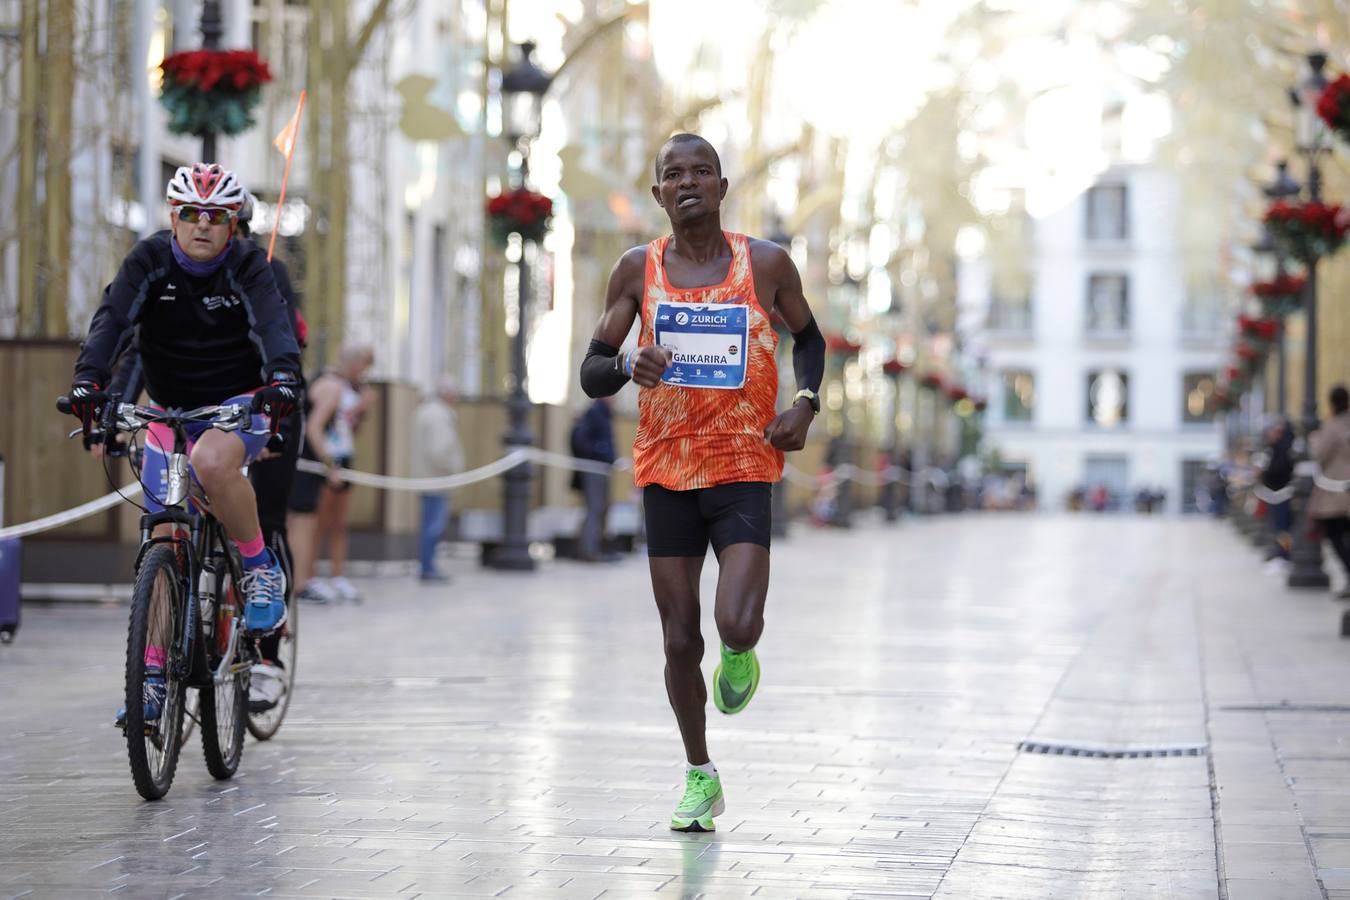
333, 55
47, 90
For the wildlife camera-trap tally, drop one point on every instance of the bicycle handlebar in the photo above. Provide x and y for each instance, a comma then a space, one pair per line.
128, 417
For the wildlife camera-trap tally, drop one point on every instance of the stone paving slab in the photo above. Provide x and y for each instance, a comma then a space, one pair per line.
509, 735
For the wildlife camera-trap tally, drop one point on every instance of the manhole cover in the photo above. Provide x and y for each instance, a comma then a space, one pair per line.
1099, 752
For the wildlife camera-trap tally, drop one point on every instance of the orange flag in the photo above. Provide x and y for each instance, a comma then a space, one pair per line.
285, 142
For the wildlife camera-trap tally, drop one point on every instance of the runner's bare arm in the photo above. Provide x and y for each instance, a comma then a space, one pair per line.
324, 395
603, 373
788, 430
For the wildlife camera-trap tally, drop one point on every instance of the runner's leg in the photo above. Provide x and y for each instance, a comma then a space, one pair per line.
742, 587
339, 502
675, 584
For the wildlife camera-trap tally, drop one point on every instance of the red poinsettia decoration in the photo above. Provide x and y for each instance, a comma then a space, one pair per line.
238, 70
1246, 351
893, 367
1334, 106
930, 380
1281, 295
1308, 230
1231, 374
1221, 400
1280, 286
520, 211
956, 393
837, 343
1262, 330
212, 91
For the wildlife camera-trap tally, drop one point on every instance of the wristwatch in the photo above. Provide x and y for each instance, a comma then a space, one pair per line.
811, 397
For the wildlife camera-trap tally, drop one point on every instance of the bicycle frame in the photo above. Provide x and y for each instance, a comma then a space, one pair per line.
195, 535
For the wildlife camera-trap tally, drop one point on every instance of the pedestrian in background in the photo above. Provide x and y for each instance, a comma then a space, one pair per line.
1276, 474
1330, 447
339, 401
436, 452
593, 440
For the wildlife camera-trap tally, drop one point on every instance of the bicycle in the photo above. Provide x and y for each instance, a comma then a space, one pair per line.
184, 600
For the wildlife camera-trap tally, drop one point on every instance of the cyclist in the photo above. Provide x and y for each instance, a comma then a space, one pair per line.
709, 441
271, 474
211, 328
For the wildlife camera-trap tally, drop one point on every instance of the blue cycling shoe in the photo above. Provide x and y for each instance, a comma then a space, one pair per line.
265, 598
153, 692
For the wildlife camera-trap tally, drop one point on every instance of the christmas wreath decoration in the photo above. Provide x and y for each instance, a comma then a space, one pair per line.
893, 367
1308, 230
930, 381
520, 211
1259, 333
1334, 106
1281, 295
212, 91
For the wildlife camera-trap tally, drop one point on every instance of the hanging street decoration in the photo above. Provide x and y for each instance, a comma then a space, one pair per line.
212, 91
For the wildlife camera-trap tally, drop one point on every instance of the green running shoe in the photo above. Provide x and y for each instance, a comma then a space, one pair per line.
735, 680
702, 800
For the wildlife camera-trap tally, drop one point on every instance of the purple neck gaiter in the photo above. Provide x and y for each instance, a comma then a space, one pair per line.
199, 269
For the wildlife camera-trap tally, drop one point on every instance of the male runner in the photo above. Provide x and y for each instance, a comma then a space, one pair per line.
211, 329
709, 445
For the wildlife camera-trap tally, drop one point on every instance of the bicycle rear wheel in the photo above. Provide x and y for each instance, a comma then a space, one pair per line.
223, 707
264, 722
156, 621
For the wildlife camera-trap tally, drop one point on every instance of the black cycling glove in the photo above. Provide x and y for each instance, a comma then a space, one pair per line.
279, 399
86, 401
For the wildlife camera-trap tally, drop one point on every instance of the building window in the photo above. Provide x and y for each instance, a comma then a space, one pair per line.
1201, 313
1019, 395
1108, 304
1107, 213
1108, 396
1010, 314
1197, 388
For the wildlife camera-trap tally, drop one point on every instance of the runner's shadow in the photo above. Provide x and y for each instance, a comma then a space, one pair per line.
698, 859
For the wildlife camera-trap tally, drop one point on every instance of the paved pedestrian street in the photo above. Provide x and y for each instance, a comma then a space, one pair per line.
509, 735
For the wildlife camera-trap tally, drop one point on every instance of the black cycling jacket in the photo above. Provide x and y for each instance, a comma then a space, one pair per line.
128, 376
201, 340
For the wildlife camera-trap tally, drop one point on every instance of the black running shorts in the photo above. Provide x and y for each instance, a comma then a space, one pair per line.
682, 523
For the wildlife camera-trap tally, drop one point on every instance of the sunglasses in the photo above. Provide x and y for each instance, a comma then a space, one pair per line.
215, 215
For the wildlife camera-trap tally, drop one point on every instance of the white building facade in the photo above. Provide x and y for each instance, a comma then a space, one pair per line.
1100, 376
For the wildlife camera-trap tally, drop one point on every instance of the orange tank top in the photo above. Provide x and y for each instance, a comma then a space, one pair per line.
704, 423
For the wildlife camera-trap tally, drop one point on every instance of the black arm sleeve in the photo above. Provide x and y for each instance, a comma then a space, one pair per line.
128, 378
599, 377
268, 318
120, 309
808, 357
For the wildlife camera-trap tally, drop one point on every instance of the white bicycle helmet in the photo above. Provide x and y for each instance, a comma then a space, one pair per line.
205, 183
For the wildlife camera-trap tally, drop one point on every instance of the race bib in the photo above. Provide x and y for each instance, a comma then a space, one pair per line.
708, 341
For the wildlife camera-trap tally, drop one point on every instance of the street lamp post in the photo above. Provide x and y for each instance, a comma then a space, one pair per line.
1312, 141
523, 89
1282, 188
212, 28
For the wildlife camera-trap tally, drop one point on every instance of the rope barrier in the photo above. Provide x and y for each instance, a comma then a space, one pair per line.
1273, 498
75, 514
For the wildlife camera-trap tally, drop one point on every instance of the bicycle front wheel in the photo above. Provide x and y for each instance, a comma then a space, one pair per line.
223, 706
157, 606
